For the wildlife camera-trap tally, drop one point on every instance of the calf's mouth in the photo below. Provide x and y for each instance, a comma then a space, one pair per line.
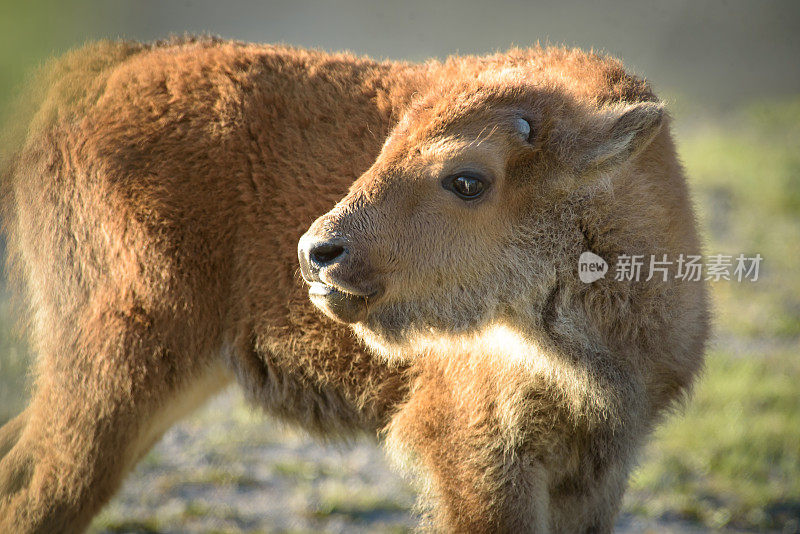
337, 284
339, 304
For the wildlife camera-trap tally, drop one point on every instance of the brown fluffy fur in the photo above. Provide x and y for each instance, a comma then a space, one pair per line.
152, 214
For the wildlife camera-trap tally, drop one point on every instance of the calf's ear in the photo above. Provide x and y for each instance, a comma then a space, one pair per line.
620, 133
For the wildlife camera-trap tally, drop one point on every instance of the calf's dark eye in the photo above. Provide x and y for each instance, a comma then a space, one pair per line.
467, 187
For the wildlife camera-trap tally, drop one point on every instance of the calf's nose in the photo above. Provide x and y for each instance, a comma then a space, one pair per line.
326, 252
316, 253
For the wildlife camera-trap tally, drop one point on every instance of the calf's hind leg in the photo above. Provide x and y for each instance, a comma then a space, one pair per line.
106, 390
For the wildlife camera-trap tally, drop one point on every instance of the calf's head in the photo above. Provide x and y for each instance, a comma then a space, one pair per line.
460, 223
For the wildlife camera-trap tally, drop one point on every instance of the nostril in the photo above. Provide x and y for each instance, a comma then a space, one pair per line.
324, 253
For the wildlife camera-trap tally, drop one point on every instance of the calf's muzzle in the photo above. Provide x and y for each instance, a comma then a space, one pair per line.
337, 284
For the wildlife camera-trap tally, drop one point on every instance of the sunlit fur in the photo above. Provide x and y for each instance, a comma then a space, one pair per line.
533, 390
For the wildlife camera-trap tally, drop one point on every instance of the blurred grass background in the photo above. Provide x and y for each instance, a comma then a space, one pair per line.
729, 70
733, 457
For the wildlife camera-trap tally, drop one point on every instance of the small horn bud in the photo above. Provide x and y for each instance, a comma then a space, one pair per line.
523, 127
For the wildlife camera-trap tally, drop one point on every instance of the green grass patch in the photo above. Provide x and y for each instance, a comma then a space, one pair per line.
301, 469
734, 456
146, 526
337, 499
214, 477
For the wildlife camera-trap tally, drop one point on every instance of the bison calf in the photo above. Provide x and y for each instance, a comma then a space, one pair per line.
457, 252
153, 207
